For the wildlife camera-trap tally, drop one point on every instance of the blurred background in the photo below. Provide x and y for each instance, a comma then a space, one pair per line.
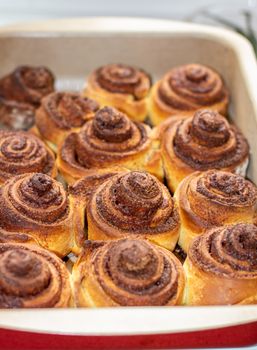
12, 11
239, 15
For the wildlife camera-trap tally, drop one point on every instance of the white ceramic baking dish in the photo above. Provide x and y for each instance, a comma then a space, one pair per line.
72, 48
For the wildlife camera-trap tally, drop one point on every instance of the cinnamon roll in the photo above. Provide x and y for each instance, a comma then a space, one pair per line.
221, 267
32, 277
38, 205
120, 86
79, 195
185, 89
20, 94
61, 113
203, 141
22, 152
127, 272
110, 139
133, 204
213, 198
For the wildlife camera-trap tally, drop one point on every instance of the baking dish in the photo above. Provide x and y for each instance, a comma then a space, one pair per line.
71, 49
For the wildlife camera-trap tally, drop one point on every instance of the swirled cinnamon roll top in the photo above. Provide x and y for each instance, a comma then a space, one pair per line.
215, 197
227, 251
191, 87
133, 273
207, 140
38, 205
22, 152
35, 198
109, 137
134, 202
27, 84
64, 111
21, 92
122, 79
32, 277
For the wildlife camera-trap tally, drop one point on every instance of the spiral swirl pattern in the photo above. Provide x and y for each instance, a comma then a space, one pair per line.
68, 110
22, 152
229, 251
214, 198
123, 79
136, 272
134, 202
32, 198
206, 141
27, 84
191, 87
110, 136
225, 188
32, 277
38, 82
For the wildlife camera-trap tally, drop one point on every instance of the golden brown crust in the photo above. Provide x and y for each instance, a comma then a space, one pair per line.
204, 141
221, 266
127, 273
133, 204
20, 94
213, 198
63, 112
120, 86
21, 152
38, 205
185, 89
32, 277
110, 139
